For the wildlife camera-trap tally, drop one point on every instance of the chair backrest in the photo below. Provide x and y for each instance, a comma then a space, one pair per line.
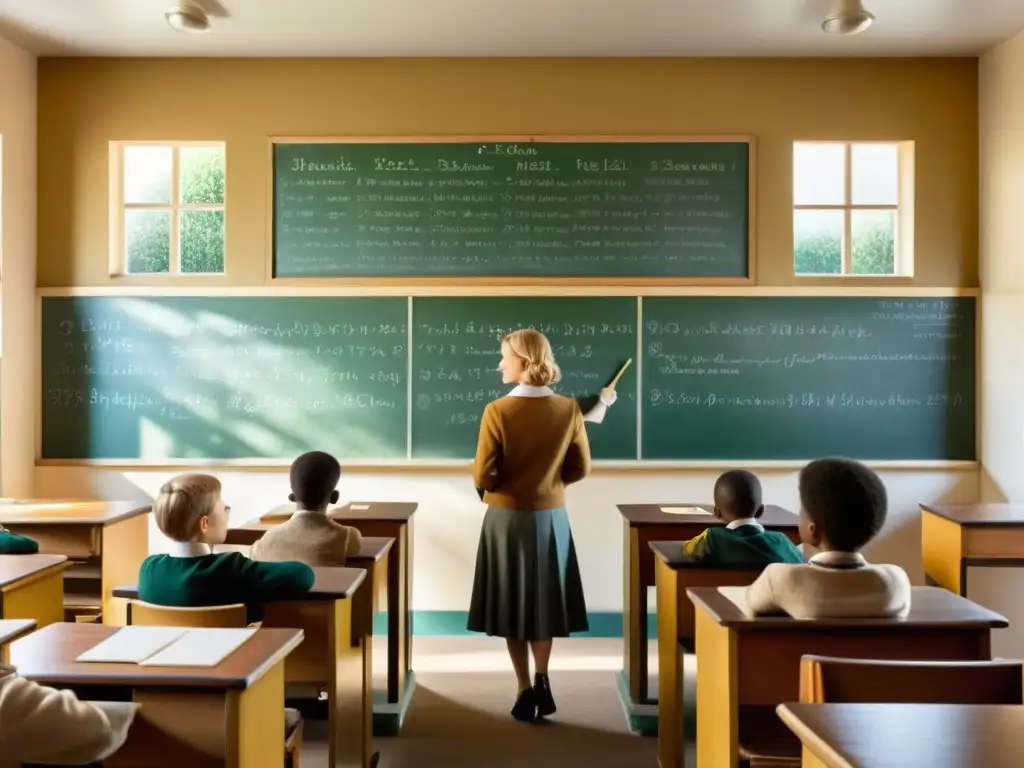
824, 679
140, 612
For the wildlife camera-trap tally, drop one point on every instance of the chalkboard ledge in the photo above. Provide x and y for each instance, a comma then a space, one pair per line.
463, 465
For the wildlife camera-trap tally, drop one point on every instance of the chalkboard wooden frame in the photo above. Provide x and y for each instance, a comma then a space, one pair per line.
626, 466
749, 140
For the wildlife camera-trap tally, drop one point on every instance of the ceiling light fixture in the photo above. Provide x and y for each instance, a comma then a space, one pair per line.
848, 17
188, 17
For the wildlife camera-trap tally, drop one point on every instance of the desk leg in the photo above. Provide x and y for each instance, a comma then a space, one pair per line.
399, 619
717, 694
942, 552
350, 716
809, 760
125, 546
39, 597
671, 735
634, 619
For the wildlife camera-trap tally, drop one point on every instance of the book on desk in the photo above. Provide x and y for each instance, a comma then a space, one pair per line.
168, 646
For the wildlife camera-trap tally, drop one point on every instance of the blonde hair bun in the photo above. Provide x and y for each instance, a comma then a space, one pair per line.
534, 349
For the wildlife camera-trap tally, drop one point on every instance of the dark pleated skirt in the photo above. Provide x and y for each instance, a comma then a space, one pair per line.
527, 584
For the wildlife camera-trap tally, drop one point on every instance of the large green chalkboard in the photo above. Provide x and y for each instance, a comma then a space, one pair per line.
780, 378
223, 378
456, 350
534, 208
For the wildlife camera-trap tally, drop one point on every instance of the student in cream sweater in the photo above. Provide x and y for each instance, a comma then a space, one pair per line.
842, 508
51, 727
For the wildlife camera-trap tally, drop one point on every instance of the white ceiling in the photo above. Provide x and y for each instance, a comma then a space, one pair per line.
507, 28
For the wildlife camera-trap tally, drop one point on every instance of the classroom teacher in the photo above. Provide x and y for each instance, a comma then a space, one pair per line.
527, 586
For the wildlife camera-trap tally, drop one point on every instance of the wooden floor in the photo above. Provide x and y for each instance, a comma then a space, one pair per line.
460, 713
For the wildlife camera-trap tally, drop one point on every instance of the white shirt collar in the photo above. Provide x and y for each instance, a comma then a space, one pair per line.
744, 521
835, 559
526, 390
189, 549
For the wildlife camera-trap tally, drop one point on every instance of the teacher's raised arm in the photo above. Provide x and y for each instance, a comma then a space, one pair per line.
527, 587
607, 397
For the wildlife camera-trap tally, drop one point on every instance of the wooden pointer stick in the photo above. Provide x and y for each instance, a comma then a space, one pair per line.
618, 375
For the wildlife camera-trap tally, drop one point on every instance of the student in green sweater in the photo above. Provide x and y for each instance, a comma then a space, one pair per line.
742, 542
191, 513
14, 544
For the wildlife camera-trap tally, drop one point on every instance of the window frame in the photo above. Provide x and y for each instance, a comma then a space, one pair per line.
119, 209
903, 210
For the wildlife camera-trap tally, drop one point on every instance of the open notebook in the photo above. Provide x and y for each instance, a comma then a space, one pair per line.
168, 646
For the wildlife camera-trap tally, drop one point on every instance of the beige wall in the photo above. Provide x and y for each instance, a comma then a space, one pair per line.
85, 104
17, 268
1001, 192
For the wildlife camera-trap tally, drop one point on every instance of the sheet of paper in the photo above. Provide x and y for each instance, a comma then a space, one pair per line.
200, 648
131, 645
358, 507
738, 597
684, 511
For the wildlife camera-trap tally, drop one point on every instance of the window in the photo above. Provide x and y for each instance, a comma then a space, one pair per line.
852, 208
168, 208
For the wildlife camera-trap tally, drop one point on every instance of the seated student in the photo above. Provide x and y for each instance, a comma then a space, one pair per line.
842, 507
310, 536
14, 544
190, 512
43, 725
742, 542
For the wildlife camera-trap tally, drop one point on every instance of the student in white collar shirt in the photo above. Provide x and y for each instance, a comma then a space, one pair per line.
527, 587
842, 508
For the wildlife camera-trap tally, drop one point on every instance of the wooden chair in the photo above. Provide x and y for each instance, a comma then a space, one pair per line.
825, 679
148, 614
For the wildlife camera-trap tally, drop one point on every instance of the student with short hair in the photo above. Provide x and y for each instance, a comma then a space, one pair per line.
16, 544
742, 542
842, 508
42, 725
310, 536
190, 512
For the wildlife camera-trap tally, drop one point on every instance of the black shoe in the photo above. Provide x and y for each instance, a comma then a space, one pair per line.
542, 693
525, 709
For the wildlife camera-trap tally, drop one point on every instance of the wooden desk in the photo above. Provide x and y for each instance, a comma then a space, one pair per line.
336, 620
911, 735
229, 715
955, 537
751, 663
32, 587
392, 520
674, 574
645, 523
106, 542
11, 630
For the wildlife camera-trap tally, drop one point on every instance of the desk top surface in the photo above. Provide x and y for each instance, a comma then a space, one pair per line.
11, 629
932, 735
14, 568
373, 549
48, 656
930, 607
391, 511
1008, 515
650, 514
69, 511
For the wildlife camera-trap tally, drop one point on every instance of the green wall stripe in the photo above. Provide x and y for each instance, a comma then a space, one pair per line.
453, 623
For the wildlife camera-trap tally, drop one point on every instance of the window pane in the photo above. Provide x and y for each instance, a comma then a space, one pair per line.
818, 242
202, 241
202, 175
874, 242
819, 174
874, 174
147, 236
147, 174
